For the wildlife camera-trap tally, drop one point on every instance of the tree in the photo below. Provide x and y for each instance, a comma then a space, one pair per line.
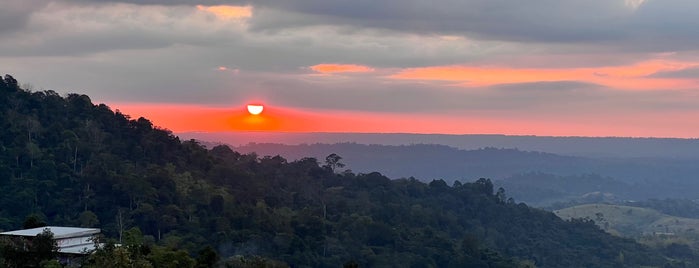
485, 186
33, 221
11, 82
170, 258
500, 195
88, 219
37, 251
332, 162
43, 247
207, 258
351, 264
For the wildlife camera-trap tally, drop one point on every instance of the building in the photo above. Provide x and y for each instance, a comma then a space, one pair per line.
72, 242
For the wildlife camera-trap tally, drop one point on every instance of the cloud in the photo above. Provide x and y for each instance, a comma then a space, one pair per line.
611, 25
633, 76
63, 29
634, 4
14, 15
329, 68
688, 73
548, 87
69, 29
490, 58
228, 12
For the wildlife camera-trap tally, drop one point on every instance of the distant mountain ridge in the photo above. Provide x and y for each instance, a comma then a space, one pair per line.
425, 161
613, 147
633, 178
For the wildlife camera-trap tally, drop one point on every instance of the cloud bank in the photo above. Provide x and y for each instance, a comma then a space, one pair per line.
544, 59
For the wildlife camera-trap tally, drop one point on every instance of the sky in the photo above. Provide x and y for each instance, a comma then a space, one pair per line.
548, 67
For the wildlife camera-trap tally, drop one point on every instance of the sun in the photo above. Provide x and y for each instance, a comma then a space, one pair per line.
255, 109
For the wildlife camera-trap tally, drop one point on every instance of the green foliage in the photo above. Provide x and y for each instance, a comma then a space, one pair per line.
115, 257
37, 251
170, 258
33, 221
135, 253
50, 264
254, 262
88, 219
84, 164
207, 258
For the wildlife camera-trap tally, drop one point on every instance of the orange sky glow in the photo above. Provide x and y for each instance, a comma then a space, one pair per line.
586, 121
192, 118
228, 12
340, 68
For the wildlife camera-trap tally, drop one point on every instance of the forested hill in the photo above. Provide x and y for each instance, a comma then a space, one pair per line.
430, 161
645, 177
70, 162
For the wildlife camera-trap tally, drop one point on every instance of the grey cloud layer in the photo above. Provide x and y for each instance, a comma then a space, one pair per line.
15, 14
153, 53
593, 25
601, 22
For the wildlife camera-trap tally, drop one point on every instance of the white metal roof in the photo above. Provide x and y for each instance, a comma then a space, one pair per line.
58, 232
80, 249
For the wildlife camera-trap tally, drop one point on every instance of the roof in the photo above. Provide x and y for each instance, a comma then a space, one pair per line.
58, 232
80, 249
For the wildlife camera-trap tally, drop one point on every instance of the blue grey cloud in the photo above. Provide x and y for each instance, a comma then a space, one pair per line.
691, 73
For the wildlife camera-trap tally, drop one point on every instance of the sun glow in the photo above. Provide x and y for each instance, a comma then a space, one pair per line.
255, 109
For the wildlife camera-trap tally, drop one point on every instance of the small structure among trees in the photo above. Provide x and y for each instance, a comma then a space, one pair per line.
49, 243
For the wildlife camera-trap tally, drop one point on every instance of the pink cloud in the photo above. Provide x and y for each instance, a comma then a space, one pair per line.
228, 12
631, 76
328, 68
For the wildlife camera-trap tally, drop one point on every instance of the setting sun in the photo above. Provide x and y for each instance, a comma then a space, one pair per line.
255, 109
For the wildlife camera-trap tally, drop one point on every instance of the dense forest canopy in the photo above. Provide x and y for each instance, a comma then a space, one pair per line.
69, 162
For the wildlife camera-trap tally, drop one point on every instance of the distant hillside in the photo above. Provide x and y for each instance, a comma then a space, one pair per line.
543, 189
633, 221
66, 161
671, 206
428, 161
608, 147
634, 178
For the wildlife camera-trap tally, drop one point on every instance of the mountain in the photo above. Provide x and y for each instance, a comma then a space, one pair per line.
627, 178
427, 161
66, 161
596, 147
